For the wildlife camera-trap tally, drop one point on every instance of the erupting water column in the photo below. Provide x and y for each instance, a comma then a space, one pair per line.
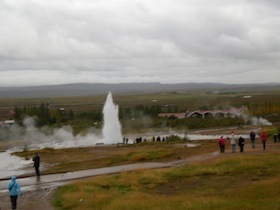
112, 128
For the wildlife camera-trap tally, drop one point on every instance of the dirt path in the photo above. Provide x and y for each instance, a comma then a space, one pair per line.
31, 200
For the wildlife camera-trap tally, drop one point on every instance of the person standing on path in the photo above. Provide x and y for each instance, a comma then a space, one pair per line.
241, 142
14, 191
36, 160
252, 137
263, 138
222, 143
275, 138
232, 142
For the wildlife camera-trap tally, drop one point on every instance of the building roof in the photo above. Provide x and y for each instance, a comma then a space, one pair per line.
9, 122
233, 112
213, 112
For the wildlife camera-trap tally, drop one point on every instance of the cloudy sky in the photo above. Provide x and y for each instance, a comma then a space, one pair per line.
120, 41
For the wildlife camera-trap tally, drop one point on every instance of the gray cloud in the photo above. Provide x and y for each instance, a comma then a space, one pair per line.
66, 41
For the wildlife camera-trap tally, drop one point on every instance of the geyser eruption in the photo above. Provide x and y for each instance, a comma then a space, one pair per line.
112, 128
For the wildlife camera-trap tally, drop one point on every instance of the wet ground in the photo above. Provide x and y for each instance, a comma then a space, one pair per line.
37, 191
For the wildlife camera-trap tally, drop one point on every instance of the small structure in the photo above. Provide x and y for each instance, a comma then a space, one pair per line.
247, 97
203, 114
7, 123
214, 113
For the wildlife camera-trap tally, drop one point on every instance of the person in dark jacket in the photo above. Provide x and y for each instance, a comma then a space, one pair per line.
14, 191
252, 137
241, 143
36, 160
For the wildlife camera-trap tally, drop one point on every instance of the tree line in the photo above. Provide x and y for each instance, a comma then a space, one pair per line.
43, 114
46, 115
136, 117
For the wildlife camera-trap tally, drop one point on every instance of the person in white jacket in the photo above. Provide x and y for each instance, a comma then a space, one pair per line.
232, 142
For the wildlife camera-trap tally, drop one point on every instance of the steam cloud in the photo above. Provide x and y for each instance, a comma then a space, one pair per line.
34, 138
256, 121
63, 137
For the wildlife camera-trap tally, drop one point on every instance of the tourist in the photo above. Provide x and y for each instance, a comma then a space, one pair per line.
222, 143
263, 138
36, 160
14, 191
241, 143
158, 138
275, 138
252, 137
232, 142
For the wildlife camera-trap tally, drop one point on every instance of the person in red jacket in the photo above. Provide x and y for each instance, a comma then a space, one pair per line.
222, 143
263, 138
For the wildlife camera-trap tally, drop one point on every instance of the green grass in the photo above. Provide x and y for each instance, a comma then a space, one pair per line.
229, 182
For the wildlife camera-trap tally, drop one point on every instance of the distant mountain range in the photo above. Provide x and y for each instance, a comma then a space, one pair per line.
88, 89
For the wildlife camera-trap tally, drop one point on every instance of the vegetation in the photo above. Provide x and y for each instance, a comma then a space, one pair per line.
43, 114
140, 111
232, 182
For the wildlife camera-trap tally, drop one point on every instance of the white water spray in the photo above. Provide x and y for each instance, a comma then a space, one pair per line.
112, 127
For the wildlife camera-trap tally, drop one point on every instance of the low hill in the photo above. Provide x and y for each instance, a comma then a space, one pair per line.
87, 89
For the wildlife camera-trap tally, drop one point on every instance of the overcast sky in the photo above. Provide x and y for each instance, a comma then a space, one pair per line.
123, 41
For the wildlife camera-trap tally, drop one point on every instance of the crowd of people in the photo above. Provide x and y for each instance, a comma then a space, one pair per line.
141, 139
240, 141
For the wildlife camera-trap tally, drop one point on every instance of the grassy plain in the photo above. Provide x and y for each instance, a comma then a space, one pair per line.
247, 180
184, 101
